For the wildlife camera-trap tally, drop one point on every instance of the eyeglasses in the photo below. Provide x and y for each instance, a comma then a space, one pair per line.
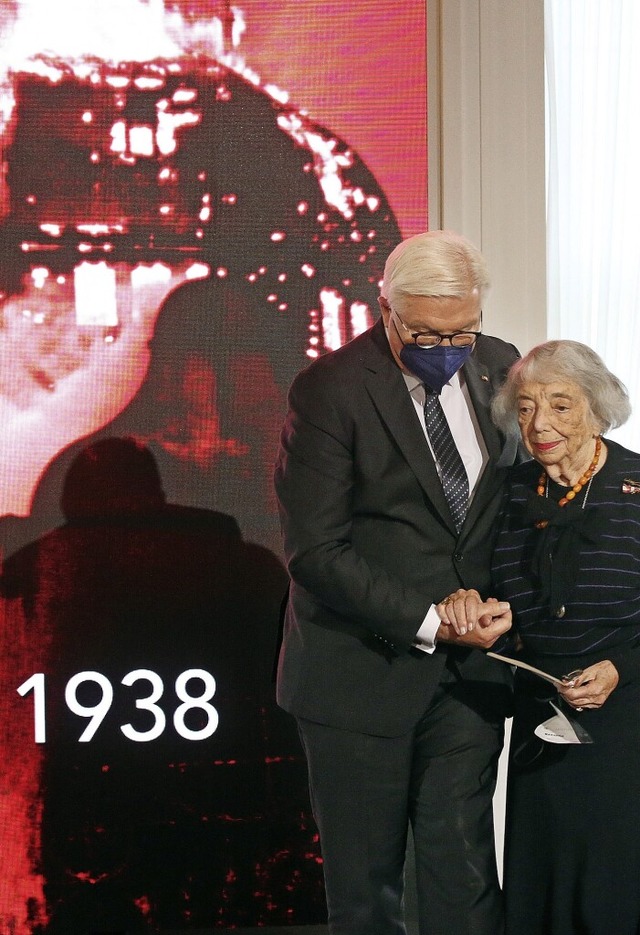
434, 338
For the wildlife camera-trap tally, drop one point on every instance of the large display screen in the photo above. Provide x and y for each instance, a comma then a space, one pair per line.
196, 201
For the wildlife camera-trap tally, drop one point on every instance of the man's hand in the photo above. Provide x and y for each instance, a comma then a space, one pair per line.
467, 620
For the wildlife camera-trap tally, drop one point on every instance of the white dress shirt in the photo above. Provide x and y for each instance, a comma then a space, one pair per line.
461, 416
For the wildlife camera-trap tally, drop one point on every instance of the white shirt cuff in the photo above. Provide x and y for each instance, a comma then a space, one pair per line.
426, 635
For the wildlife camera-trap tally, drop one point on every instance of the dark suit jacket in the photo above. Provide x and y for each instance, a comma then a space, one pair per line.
369, 540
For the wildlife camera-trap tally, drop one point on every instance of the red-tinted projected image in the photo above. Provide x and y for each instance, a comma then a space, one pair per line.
180, 235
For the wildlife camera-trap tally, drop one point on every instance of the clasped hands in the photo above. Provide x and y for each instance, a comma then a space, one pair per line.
467, 620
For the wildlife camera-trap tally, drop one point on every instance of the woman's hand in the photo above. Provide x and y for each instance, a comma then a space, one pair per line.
592, 687
469, 621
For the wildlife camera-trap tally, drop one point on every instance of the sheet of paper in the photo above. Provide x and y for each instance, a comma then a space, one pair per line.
525, 665
562, 729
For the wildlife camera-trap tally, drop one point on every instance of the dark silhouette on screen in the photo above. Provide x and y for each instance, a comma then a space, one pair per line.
173, 831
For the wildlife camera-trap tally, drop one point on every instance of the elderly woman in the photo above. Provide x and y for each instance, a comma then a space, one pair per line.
567, 559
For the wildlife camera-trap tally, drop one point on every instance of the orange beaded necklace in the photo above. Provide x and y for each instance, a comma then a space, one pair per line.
543, 484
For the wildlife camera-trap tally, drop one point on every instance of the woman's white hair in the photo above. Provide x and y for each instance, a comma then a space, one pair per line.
570, 361
436, 263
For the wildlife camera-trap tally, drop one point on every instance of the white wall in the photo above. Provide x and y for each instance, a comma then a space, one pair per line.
486, 149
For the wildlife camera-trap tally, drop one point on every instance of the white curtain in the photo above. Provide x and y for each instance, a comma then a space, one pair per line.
592, 50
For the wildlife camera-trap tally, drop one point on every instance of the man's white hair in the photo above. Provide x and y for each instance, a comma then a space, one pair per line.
436, 263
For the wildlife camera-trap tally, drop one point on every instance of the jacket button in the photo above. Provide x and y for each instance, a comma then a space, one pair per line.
458, 557
559, 612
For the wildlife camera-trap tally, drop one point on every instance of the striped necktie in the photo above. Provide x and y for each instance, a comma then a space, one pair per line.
453, 475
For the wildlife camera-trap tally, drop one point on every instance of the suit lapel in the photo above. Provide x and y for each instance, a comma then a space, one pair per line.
480, 383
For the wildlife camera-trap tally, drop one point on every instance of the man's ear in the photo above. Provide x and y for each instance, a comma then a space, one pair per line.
385, 309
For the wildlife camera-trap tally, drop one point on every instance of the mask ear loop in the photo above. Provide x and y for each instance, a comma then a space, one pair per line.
396, 327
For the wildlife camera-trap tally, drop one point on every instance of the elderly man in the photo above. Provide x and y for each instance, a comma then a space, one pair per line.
389, 480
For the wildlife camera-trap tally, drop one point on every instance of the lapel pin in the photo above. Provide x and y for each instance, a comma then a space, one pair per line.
630, 486
484, 377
